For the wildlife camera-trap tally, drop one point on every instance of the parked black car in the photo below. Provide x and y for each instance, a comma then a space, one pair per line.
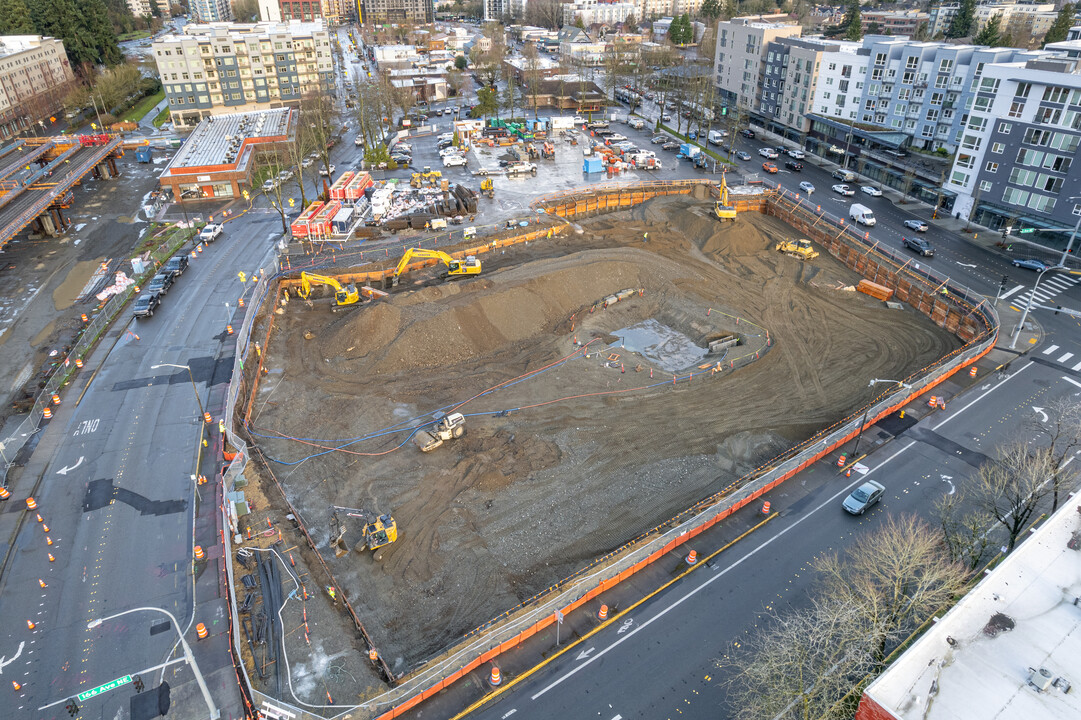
176, 265
794, 166
160, 283
145, 305
747, 133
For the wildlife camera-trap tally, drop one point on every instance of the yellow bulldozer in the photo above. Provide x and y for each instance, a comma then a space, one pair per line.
343, 294
801, 249
455, 268
722, 209
376, 531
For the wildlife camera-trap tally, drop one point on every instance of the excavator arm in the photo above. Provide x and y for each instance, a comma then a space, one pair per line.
343, 295
455, 268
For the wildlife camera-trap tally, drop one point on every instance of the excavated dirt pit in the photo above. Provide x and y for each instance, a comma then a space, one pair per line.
570, 449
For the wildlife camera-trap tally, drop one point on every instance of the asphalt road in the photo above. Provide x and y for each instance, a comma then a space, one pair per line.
668, 658
118, 497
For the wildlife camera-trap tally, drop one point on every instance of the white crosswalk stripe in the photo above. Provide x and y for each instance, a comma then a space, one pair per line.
1050, 350
1065, 357
1050, 286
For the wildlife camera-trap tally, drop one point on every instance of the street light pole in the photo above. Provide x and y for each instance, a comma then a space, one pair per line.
1028, 305
188, 657
190, 377
863, 421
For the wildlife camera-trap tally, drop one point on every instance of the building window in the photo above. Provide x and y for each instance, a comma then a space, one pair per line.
1013, 196
998, 148
985, 186
991, 167
1005, 128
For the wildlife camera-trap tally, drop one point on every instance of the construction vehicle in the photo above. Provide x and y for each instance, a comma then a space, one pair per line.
343, 294
447, 427
548, 151
376, 531
426, 177
800, 249
455, 268
487, 187
723, 210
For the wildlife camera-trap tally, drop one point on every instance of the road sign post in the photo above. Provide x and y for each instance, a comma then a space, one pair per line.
111, 685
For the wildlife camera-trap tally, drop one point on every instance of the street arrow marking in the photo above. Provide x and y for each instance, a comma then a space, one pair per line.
964, 265
66, 470
4, 662
1040, 412
948, 480
585, 653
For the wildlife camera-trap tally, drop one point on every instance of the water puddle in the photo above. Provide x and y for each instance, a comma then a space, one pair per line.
668, 349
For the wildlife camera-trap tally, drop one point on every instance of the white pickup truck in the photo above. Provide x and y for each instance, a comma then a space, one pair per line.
521, 168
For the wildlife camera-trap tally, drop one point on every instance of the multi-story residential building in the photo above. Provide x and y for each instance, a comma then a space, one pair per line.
227, 68
34, 78
144, 8
895, 22
1015, 166
737, 62
790, 79
211, 11
420, 12
653, 9
593, 12
939, 17
288, 10
494, 10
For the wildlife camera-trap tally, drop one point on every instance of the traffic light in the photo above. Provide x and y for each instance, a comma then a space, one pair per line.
72, 707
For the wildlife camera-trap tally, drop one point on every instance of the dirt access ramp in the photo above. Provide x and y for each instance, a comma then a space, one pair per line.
566, 456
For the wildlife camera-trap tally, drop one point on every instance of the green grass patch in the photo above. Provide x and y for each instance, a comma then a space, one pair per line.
162, 118
141, 108
136, 35
684, 138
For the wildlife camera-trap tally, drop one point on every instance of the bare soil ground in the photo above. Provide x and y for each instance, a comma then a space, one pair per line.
557, 467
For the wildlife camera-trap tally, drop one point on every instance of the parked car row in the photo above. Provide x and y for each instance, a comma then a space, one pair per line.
160, 284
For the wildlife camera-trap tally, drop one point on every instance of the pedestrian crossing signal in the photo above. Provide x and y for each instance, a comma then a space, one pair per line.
72, 707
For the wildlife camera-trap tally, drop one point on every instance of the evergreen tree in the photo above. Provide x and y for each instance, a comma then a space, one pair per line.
852, 22
1061, 26
991, 33
964, 21
15, 18
83, 25
711, 9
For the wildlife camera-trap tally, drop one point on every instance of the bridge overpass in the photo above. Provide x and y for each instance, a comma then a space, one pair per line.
39, 195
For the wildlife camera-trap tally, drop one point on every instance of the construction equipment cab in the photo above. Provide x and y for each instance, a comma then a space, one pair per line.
343, 295
376, 531
801, 249
455, 268
447, 427
723, 209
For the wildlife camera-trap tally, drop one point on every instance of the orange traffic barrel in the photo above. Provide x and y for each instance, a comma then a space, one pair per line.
765, 508
603, 613
199, 554
240, 302
85, 318
496, 678
200, 630
47, 414
972, 371
373, 655
78, 362
4, 493
56, 399
841, 460
692, 557
206, 416
229, 329
932, 401
30, 504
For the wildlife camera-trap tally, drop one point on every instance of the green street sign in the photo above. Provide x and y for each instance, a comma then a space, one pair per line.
1026, 231
111, 685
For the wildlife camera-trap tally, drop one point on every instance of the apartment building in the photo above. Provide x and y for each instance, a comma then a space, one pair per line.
1015, 165
593, 12
737, 62
211, 11
420, 12
144, 8
289, 10
653, 9
895, 22
34, 78
790, 79
232, 67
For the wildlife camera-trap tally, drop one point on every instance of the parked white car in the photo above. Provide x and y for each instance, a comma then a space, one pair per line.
843, 190
796, 153
448, 151
326, 171
454, 161
445, 136
871, 190
768, 153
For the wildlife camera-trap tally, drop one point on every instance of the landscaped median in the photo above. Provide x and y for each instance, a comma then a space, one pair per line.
684, 138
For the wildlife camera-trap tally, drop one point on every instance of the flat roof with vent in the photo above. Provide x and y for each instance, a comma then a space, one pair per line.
220, 142
1011, 648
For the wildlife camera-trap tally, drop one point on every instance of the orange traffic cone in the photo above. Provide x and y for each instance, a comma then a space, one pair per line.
42, 583
16, 685
51, 558
30, 624
45, 527
48, 540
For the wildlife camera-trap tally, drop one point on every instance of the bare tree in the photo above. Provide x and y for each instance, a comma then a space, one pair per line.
318, 118
544, 13
275, 161
798, 664
1010, 488
966, 530
1062, 432
894, 578
532, 73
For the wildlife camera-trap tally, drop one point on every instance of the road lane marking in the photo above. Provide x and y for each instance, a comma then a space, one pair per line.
986, 393
1014, 291
509, 713
1071, 381
1076, 367
1065, 357
1050, 350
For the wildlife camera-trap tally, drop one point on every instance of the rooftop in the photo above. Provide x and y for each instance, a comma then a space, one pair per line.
1010, 648
241, 30
219, 140
12, 44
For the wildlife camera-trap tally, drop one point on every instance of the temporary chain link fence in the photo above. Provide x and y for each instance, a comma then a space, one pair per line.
514, 627
90, 334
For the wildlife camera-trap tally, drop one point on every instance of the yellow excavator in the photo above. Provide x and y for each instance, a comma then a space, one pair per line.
722, 209
455, 268
800, 249
376, 531
487, 187
343, 294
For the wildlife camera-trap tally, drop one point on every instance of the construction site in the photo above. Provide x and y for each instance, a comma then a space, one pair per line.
456, 447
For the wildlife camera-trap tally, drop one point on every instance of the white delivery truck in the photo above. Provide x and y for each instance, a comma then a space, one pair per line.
862, 214
716, 137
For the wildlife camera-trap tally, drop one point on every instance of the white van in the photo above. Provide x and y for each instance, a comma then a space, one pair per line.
716, 137
862, 214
